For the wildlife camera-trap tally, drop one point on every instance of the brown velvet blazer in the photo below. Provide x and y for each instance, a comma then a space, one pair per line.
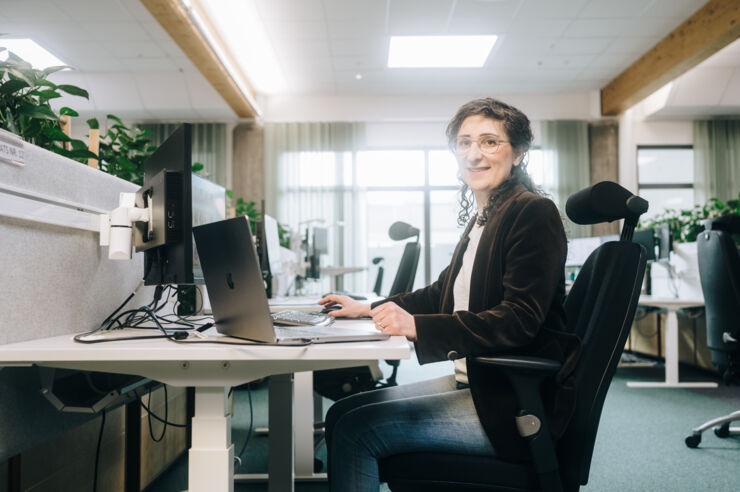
517, 290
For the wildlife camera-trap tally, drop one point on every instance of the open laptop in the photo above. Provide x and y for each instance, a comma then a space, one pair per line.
233, 278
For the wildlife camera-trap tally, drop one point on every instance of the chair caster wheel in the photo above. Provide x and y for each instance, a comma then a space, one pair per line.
693, 440
722, 431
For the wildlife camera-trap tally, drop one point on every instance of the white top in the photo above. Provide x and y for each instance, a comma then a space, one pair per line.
461, 291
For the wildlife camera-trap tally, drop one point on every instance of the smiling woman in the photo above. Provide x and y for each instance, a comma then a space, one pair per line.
502, 292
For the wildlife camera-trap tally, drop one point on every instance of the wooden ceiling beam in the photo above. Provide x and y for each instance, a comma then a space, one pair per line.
175, 20
708, 30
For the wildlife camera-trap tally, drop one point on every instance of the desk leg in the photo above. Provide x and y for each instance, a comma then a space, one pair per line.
303, 419
280, 468
671, 360
211, 457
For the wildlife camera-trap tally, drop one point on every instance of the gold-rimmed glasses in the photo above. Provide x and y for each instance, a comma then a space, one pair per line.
486, 143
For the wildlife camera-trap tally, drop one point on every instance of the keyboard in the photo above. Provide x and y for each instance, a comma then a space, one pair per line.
301, 318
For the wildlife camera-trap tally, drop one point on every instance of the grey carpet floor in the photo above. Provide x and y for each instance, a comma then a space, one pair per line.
639, 447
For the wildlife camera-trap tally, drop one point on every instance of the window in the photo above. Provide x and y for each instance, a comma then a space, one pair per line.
665, 177
361, 195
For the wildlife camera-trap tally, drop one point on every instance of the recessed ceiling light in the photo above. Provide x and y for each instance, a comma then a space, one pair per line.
31, 52
439, 51
358, 76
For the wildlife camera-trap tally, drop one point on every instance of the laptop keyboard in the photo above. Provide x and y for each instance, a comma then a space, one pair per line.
301, 318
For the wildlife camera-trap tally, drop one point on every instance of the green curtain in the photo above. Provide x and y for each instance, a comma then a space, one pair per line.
566, 150
209, 146
716, 159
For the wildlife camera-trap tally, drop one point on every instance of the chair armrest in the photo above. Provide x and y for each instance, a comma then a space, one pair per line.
546, 367
526, 375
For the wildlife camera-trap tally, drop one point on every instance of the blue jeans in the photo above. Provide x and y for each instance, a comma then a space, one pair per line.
426, 416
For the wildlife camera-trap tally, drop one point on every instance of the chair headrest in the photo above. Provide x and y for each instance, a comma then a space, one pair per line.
604, 202
729, 223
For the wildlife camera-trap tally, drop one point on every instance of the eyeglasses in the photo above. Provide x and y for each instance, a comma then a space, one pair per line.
486, 144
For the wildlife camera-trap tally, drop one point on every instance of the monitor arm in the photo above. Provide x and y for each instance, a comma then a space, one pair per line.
116, 228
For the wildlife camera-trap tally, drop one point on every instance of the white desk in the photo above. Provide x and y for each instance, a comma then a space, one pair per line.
671, 305
212, 369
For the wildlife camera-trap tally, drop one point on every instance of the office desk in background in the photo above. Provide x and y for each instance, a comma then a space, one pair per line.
671, 305
212, 369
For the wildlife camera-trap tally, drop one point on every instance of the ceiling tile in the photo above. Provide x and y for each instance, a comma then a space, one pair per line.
359, 63
136, 9
539, 27
419, 17
120, 31
360, 46
581, 46
133, 49
586, 28
475, 17
162, 91
616, 60
297, 30
611, 10
33, 10
519, 45
289, 10
731, 96
355, 29
155, 30
148, 64
678, 8
86, 10
368, 11
547, 9
114, 91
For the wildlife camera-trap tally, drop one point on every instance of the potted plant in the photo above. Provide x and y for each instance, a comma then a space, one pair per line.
25, 93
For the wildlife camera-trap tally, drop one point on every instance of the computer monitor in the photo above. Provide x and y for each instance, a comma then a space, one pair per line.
665, 242
208, 205
272, 244
178, 200
579, 250
646, 237
320, 241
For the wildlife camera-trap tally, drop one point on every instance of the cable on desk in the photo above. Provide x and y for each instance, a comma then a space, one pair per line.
155, 416
97, 451
149, 415
251, 423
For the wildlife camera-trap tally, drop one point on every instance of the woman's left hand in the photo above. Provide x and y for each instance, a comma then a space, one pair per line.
391, 319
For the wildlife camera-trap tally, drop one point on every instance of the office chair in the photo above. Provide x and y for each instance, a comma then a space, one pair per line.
378, 260
719, 272
600, 309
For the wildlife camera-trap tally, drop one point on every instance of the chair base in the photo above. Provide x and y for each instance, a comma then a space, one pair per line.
721, 425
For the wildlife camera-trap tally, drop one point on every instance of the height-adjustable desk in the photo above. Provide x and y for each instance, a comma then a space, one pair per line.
212, 369
671, 306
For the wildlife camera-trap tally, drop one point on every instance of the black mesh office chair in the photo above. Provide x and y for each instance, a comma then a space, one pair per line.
600, 309
719, 272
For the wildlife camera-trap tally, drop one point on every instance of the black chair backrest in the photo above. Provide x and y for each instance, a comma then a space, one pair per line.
719, 272
600, 308
404, 280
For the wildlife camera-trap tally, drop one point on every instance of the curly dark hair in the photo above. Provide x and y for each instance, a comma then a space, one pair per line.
517, 127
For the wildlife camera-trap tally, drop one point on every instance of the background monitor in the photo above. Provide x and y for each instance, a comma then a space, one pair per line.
320, 241
665, 242
272, 244
646, 237
208, 205
579, 250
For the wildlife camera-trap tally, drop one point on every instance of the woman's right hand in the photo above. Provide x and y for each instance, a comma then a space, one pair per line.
350, 307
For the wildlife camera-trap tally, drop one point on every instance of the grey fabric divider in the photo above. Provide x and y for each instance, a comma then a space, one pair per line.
58, 280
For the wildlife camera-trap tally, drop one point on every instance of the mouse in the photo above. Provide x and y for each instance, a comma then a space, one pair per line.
333, 307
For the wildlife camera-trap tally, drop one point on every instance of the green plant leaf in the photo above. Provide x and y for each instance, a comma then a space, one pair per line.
46, 93
115, 118
12, 86
230, 194
196, 167
93, 124
50, 70
73, 90
68, 111
54, 133
41, 112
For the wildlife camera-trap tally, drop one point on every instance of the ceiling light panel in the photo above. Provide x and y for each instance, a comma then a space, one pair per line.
31, 52
439, 51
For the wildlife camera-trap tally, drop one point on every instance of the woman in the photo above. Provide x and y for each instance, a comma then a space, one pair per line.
502, 293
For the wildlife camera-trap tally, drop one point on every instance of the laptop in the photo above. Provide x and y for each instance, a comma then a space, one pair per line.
233, 278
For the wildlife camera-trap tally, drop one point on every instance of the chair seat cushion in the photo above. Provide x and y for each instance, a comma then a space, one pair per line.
446, 471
